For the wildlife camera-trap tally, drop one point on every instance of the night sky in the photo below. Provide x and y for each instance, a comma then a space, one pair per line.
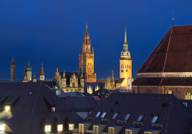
51, 31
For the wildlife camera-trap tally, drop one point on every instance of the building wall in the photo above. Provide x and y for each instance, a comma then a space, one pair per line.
181, 92
125, 68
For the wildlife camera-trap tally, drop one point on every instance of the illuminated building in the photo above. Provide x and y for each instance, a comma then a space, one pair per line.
125, 66
168, 70
86, 59
28, 73
42, 73
70, 81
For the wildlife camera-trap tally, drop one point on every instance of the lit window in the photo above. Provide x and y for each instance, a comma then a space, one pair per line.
154, 120
140, 118
111, 130
95, 129
2, 127
47, 128
127, 117
97, 88
60, 128
7, 108
115, 116
53, 109
128, 131
103, 115
81, 128
169, 92
98, 114
71, 127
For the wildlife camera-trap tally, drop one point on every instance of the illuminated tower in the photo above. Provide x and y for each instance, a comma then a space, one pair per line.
42, 74
12, 70
28, 73
86, 59
125, 68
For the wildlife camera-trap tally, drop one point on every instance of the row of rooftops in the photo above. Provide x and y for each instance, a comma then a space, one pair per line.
37, 103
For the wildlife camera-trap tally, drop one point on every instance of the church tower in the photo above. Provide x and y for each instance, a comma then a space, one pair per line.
42, 73
12, 70
28, 73
125, 68
86, 59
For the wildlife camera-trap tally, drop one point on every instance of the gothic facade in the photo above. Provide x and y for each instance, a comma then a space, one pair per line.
86, 59
70, 81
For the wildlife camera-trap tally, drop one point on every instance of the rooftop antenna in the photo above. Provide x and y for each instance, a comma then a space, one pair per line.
173, 19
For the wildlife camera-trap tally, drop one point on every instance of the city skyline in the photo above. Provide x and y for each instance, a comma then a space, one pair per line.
51, 32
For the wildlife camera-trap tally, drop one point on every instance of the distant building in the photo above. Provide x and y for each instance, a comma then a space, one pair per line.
86, 59
70, 81
12, 70
168, 70
125, 66
125, 71
28, 73
42, 73
110, 82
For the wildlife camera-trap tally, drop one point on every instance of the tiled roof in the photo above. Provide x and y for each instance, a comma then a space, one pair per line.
173, 54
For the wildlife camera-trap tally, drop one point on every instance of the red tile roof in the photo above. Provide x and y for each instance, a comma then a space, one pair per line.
173, 54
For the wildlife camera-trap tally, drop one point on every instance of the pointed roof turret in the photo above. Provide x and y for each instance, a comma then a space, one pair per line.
125, 45
28, 67
42, 70
86, 39
125, 52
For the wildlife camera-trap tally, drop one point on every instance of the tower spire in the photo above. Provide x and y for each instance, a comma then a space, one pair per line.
86, 40
86, 27
125, 36
125, 45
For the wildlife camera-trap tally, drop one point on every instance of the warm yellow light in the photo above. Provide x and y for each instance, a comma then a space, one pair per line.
47, 128
2, 127
71, 127
7, 108
60, 128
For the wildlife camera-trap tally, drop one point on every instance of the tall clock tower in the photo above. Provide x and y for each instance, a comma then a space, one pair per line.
125, 68
86, 59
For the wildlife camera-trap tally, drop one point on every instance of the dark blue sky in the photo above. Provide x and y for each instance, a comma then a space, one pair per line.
51, 31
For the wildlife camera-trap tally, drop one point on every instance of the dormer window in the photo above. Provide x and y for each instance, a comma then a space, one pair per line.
53, 109
140, 118
103, 115
71, 127
2, 127
47, 128
154, 120
127, 117
115, 116
98, 114
7, 108
60, 128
